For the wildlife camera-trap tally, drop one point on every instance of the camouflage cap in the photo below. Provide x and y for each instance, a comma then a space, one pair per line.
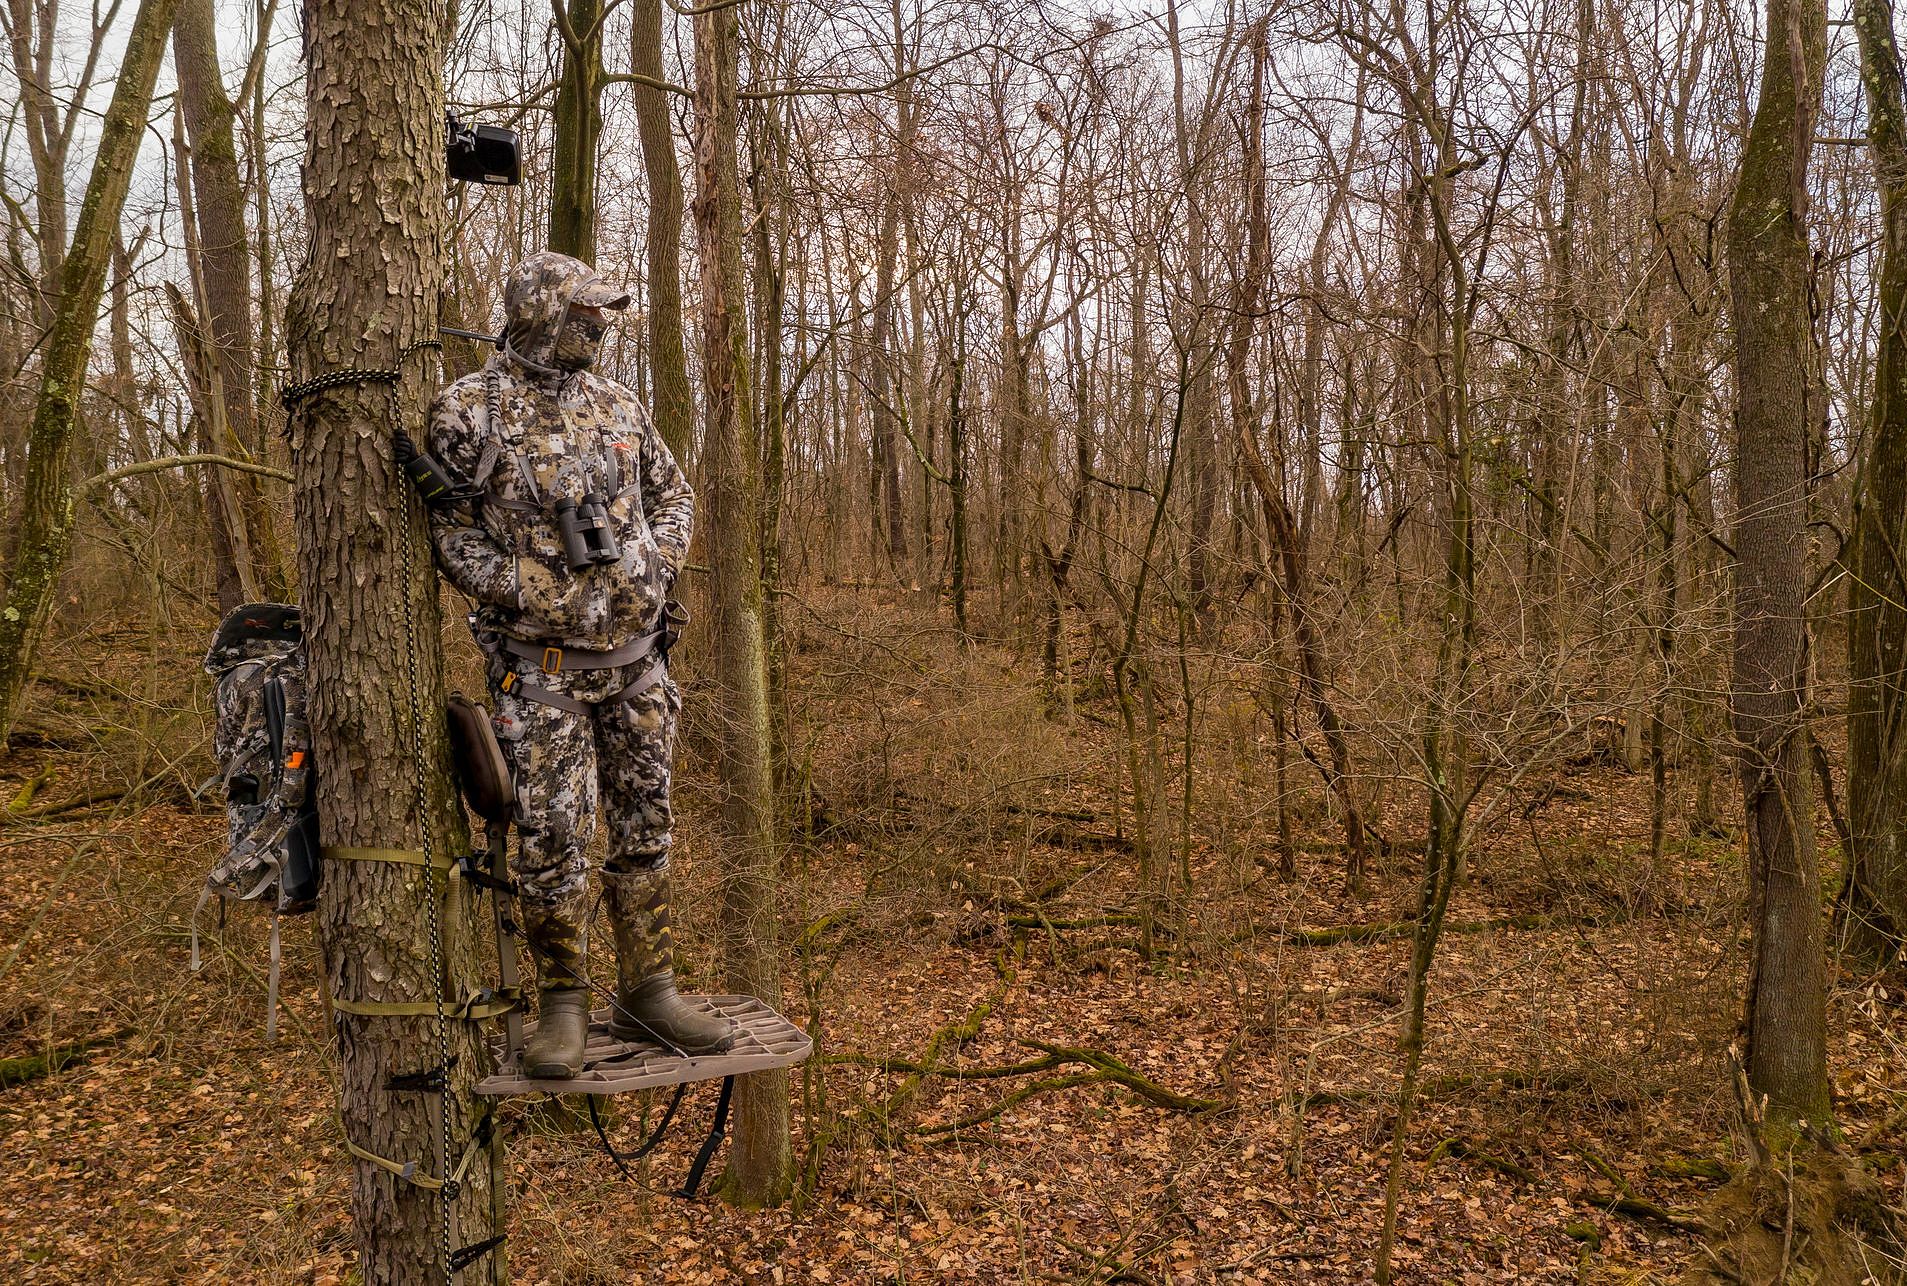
599, 293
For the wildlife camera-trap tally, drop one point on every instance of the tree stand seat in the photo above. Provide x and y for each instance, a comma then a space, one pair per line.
764, 1040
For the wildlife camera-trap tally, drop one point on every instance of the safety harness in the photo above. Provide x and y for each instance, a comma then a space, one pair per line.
554, 659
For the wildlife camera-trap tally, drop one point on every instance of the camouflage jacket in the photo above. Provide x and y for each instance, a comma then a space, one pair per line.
557, 433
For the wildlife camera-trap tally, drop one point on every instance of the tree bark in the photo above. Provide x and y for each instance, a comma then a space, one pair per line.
761, 1164
45, 516
579, 124
672, 398
1877, 620
1778, 400
374, 196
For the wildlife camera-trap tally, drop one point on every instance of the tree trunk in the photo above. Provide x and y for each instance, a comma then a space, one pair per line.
1281, 526
761, 1164
45, 516
369, 297
579, 123
1778, 399
223, 282
673, 400
1877, 620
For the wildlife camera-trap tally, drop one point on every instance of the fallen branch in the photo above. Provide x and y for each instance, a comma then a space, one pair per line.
1643, 1208
951, 1073
954, 1033
1463, 1151
1114, 1070
1017, 1097
1109, 921
29, 788
1390, 930
85, 799
32, 1067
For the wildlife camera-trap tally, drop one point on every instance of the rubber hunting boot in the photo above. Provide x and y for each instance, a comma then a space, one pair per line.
647, 1003
554, 1051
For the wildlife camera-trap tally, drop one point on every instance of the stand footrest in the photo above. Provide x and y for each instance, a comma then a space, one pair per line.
763, 1040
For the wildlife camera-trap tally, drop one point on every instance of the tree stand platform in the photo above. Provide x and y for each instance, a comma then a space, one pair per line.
764, 1040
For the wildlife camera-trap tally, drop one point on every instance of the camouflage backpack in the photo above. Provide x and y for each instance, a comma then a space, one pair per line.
263, 746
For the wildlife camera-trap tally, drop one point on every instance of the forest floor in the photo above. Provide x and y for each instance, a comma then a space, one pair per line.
959, 859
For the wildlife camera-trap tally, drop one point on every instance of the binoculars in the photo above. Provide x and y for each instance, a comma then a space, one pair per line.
587, 536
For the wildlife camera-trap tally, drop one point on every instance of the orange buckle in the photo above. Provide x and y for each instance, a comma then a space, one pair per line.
508, 681
552, 660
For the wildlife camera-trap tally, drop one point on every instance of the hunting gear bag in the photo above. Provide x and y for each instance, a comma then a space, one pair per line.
262, 742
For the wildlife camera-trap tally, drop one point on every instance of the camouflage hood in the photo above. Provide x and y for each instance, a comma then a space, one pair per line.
536, 302
252, 631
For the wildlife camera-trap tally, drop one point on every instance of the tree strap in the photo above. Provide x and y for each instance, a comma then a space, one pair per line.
408, 1171
399, 856
405, 1170
488, 1003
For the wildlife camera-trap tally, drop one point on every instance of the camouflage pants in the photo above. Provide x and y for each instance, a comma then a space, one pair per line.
564, 764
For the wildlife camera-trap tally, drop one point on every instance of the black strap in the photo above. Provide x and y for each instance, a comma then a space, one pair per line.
622, 1159
472, 873
462, 1259
577, 658
512, 684
714, 1140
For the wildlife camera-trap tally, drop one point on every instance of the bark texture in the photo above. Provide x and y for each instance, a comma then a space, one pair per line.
579, 124
45, 517
673, 400
1778, 403
761, 1164
374, 194
1877, 591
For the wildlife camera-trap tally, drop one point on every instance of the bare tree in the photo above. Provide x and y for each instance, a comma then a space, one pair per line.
761, 1167
399, 935
44, 520
1778, 404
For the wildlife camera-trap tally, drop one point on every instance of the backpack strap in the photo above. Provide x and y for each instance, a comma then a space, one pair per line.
271, 983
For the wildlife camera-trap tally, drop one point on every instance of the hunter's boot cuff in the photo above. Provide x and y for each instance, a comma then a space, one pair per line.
648, 1007
554, 1051
560, 946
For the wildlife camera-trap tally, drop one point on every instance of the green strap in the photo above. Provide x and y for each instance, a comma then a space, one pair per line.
408, 1171
400, 856
405, 1170
473, 1008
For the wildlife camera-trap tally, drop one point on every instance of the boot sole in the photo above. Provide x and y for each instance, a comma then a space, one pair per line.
553, 1071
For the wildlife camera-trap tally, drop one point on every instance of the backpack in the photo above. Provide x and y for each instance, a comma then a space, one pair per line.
262, 742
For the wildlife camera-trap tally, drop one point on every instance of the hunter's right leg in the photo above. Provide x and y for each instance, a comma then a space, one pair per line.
553, 763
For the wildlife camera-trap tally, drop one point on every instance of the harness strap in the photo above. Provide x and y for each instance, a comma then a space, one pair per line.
554, 660
516, 687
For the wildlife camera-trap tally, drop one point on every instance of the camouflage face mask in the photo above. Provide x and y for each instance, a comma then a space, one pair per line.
580, 341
